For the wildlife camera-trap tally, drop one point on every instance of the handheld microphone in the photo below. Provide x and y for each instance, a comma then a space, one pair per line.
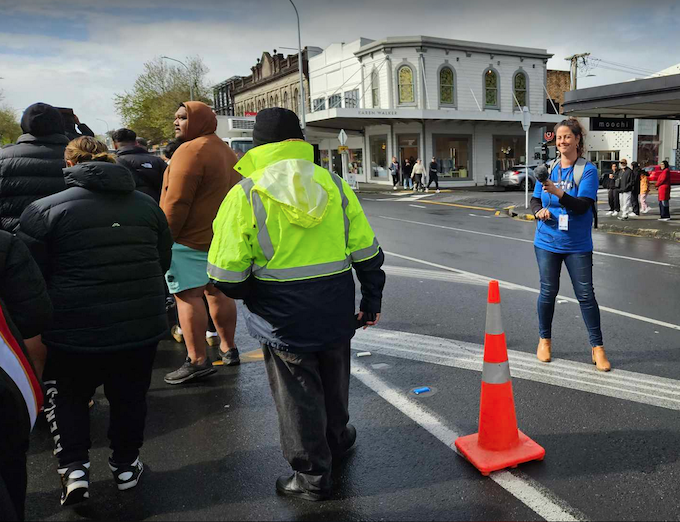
541, 173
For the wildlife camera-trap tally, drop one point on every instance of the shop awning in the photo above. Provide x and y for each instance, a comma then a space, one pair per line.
358, 119
656, 98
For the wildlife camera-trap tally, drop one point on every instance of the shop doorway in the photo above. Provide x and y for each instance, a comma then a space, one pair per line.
409, 148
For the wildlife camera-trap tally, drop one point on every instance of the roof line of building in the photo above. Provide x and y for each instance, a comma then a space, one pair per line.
449, 44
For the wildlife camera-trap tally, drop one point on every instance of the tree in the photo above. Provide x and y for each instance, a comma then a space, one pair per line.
10, 129
150, 106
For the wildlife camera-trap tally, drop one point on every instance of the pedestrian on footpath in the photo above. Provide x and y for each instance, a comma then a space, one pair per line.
564, 206
300, 297
626, 178
644, 190
635, 194
147, 169
194, 185
434, 175
418, 173
25, 312
32, 168
408, 174
612, 183
394, 171
663, 184
103, 248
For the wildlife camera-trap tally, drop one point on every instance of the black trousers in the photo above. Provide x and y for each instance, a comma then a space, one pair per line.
14, 433
614, 203
635, 201
311, 393
126, 376
435, 178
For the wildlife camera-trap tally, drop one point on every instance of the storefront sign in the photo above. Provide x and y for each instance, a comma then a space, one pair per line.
376, 112
612, 124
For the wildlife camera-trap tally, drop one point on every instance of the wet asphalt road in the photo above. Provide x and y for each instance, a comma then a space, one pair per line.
212, 448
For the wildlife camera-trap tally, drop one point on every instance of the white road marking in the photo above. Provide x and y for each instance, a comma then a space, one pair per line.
485, 217
526, 490
434, 275
619, 384
521, 240
417, 206
513, 286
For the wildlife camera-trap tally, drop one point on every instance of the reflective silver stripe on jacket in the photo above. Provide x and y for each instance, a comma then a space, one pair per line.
496, 373
345, 202
365, 253
302, 272
494, 324
227, 275
262, 232
247, 185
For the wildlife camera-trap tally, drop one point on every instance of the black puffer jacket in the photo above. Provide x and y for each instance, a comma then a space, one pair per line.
103, 248
29, 170
146, 168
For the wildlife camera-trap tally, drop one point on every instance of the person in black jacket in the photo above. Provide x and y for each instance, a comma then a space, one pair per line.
146, 168
626, 180
612, 182
635, 195
32, 168
434, 175
103, 248
25, 311
70, 123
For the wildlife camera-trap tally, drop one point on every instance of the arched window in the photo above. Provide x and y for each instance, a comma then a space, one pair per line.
296, 101
446, 86
271, 101
519, 84
276, 100
491, 98
285, 99
375, 88
259, 105
406, 87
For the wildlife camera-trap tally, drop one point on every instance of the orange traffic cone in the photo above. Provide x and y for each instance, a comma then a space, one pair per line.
499, 444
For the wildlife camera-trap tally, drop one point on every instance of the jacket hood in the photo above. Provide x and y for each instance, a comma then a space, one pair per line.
100, 176
41, 119
290, 178
201, 120
50, 138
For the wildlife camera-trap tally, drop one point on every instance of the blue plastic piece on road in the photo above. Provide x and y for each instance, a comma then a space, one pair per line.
424, 389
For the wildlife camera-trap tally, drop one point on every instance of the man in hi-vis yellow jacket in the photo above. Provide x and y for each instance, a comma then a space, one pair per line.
286, 240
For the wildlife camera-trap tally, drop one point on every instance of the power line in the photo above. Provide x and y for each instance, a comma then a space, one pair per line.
623, 65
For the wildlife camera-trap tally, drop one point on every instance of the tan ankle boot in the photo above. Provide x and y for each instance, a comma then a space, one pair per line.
600, 359
544, 349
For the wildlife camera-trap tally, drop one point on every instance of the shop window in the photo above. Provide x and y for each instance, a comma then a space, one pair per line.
446, 86
320, 104
375, 88
491, 97
520, 87
378, 145
452, 154
352, 99
334, 101
406, 87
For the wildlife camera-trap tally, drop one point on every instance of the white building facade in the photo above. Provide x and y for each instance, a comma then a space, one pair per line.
419, 97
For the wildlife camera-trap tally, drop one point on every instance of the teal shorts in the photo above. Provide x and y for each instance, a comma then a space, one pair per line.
188, 269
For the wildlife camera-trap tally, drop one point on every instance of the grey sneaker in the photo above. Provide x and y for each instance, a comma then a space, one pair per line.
189, 372
230, 357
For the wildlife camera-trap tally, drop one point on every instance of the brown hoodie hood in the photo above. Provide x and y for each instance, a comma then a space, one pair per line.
201, 120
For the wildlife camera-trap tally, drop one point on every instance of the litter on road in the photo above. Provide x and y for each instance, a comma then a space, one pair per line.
363, 354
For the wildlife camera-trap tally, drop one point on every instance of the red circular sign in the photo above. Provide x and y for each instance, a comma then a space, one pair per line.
549, 136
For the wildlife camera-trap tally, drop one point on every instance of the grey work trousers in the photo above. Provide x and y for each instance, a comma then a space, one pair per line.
311, 393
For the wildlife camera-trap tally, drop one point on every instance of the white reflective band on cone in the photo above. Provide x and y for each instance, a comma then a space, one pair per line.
496, 373
494, 324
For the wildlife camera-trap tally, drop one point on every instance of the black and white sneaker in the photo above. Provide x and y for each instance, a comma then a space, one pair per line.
127, 476
189, 371
75, 483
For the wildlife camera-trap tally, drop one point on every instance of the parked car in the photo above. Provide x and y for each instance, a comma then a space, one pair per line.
655, 170
514, 178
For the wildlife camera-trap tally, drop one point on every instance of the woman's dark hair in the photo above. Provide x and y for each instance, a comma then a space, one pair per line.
665, 164
170, 148
124, 136
577, 130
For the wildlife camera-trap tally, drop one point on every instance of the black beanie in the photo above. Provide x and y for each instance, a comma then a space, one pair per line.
41, 119
274, 125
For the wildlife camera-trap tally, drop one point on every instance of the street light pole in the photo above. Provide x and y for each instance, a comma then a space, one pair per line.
302, 85
191, 80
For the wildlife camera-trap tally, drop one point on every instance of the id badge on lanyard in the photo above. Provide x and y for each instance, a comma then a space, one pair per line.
563, 223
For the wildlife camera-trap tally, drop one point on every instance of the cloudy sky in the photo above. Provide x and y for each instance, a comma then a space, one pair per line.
79, 53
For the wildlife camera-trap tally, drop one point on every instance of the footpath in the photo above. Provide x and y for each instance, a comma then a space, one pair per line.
511, 203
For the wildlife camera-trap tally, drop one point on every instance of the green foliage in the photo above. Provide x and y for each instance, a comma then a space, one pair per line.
149, 108
10, 129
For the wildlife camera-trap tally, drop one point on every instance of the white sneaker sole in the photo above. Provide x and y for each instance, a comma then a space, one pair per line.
76, 492
129, 485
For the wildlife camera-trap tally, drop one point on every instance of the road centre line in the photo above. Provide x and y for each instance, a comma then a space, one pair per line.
619, 384
459, 206
526, 490
514, 286
417, 206
521, 240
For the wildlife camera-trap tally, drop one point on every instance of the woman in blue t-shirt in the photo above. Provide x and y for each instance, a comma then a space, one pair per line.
563, 207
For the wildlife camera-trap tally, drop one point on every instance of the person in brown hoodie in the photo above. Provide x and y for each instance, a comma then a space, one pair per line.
194, 185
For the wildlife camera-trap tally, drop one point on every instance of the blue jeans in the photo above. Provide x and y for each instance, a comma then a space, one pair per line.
408, 182
580, 267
